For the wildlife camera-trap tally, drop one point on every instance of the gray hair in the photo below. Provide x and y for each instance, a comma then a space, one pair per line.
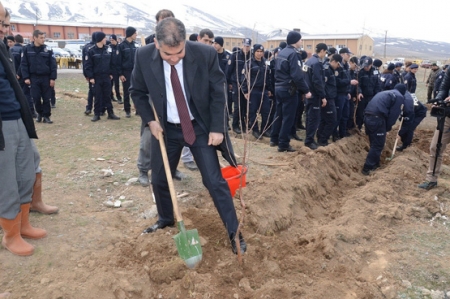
170, 32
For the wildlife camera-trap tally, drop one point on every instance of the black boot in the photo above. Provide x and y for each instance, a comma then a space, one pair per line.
47, 120
39, 118
113, 116
96, 118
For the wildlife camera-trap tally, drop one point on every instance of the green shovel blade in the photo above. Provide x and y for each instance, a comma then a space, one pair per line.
188, 245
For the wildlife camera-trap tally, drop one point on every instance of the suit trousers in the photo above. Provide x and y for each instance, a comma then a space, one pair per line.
208, 164
17, 170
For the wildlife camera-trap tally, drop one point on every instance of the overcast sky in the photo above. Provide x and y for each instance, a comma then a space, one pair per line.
426, 20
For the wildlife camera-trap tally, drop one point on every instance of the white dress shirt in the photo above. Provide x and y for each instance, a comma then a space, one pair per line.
172, 111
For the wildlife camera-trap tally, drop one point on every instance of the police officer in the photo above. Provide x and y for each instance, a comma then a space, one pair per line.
298, 125
127, 50
396, 74
328, 118
289, 81
387, 78
315, 78
354, 76
98, 70
256, 87
417, 113
410, 78
223, 62
381, 114
160, 15
343, 84
90, 98
115, 56
234, 78
368, 87
38, 67
439, 79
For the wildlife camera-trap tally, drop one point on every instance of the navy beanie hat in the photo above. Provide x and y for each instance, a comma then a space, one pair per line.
293, 37
99, 36
401, 87
130, 31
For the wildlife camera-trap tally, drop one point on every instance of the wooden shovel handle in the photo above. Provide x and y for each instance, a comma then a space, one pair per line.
173, 194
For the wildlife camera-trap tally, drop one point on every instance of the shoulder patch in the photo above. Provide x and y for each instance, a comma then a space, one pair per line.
117, 52
229, 62
227, 57
336, 73
375, 72
383, 79
86, 58
299, 64
326, 79
21, 55
406, 82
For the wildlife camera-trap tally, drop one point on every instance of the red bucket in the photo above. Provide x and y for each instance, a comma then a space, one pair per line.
233, 177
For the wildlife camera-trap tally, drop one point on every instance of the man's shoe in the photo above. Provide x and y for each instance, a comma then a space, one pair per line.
127, 114
87, 112
266, 134
158, 225
53, 106
179, 175
47, 120
273, 144
143, 178
296, 137
366, 171
96, 118
237, 131
427, 185
336, 138
119, 101
39, 118
242, 244
102, 113
301, 127
190, 165
312, 145
113, 99
113, 116
256, 135
400, 148
319, 143
289, 149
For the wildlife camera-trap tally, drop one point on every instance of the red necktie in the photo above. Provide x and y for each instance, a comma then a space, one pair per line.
183, 112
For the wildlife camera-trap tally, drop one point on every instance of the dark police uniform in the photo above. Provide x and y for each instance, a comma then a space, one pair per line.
342, 101
224, 57
16, 52
387, 81
328, 113
259, 93
90, 99
396, 77
315, 78
369, 86
234, 77
289, 81
115, 56
353, 90
98, 67
380, 115
438, 82
410, 82
127, 52
414, 113
39, 65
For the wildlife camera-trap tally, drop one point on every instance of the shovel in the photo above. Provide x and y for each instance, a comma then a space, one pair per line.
187, 241
396, 141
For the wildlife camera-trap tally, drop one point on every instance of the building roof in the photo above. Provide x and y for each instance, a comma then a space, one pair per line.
321, 36
64, 23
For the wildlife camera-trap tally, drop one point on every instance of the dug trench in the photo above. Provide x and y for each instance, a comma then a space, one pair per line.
316, 228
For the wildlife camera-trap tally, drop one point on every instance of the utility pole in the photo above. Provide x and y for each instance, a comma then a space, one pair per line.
385, 40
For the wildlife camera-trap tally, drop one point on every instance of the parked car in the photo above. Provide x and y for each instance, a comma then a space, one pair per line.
60, 52
73, 52
426, 64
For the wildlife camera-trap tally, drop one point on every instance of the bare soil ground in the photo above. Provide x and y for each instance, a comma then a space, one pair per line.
315, 227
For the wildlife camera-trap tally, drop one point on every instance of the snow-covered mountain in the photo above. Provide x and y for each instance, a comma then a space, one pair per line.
140, 14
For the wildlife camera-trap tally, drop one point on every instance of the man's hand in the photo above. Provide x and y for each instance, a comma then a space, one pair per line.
215, 138
360, 96
354, 82
324, 102
155, 128
122, 78
52, 83
230, 87
308, 95
246, 96
18, 77
27, 81
269, 93
92, 81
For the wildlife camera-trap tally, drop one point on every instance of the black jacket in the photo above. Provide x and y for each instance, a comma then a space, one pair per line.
315, 77
288, 70
98, 62
127, 52
445, 86
38, 61
24, 107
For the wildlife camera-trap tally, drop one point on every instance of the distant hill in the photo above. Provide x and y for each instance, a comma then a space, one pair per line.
140, 14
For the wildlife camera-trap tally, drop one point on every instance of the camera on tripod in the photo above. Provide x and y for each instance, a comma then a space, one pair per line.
441, 108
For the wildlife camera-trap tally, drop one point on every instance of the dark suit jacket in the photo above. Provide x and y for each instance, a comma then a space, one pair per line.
25, 111
204, 84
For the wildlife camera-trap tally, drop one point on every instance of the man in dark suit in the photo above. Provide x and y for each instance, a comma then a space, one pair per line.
187, 88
